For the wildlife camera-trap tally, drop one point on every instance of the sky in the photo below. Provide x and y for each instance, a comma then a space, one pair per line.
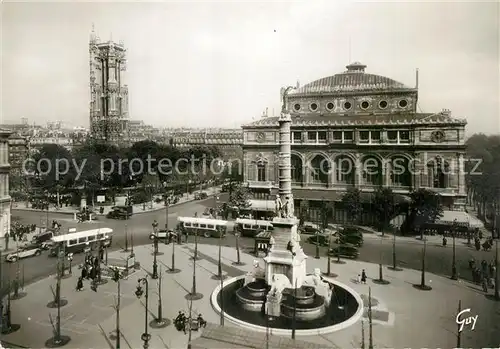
220, 64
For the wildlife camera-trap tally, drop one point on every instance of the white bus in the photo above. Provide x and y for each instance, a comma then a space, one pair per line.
203, 226
82, 241
251, 227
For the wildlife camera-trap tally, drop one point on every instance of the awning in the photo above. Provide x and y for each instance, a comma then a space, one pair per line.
262, 205
462, 218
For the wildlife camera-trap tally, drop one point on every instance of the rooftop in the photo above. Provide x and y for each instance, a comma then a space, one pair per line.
314, 119
352, 80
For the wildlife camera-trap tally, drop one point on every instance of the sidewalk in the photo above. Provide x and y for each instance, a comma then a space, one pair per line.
137, 208
403, 316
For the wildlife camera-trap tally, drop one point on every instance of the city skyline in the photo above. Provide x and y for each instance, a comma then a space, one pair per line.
221, 64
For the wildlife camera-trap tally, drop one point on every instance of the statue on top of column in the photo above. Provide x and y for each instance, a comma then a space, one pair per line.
284, 94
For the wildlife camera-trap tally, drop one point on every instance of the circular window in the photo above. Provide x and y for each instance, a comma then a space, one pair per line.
296, 107
382, 104
330, 106
365, 105
347, 105
313, 106
403, 103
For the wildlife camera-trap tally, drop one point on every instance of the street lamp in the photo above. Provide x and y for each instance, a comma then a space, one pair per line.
160, 321
155, 264
497, 293
145, 337
194, 295
317, 245
70, 259
454, 275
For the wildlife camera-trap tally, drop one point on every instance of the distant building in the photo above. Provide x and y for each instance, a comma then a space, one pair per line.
18, 152
227, 140
108, 91
356, 129
5, 200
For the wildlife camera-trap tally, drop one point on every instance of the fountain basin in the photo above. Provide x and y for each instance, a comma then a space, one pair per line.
345, 309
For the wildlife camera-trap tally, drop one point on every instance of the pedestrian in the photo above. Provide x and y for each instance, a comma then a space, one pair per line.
79, 284
84, 272
359, 278
444, 241
363, 276
485, 284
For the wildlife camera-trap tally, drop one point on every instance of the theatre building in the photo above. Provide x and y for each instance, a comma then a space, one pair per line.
357, 129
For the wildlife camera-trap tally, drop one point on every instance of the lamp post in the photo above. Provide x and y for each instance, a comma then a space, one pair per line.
454, 275
160, 321
155, 263
194, 295
317, 245
145, 337
294, 316
117, 276
70, 259
237, 235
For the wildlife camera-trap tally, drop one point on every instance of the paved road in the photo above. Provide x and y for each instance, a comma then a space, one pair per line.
374, 250
139, 226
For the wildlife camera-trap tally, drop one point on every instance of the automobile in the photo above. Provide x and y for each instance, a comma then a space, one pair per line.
350, 236
225, 187
120, 212
309, 228
201, 195
162, 234
24, 252
323, 239
346, 251
43, 239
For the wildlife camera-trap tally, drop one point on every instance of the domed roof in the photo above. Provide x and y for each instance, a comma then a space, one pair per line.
352, 80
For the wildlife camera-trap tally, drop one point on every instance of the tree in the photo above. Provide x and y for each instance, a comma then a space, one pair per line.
149, 183
424, 208
352, 204
240, 198
384, 207
55, 166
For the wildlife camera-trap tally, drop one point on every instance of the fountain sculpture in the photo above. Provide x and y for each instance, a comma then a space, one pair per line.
282, 289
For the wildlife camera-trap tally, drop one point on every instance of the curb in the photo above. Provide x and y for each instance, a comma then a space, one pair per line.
101, 215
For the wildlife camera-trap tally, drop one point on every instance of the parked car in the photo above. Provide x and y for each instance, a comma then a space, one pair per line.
24, 252
201, 195
350, 235
345, 251
323, 239
309, 228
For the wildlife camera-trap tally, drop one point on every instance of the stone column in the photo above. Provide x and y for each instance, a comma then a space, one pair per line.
358, 175
285, 167
461, 174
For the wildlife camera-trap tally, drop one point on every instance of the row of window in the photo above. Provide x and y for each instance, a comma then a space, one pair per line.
330, 106
396, 137
437, 176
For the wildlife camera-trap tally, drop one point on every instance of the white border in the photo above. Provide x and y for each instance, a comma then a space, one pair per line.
282, 332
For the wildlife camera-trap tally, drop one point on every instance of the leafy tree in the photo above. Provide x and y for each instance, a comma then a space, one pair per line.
352, 204
240, 198
384, 207
424, 208
53, 161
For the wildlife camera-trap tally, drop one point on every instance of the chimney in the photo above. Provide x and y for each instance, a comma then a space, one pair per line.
298, 84
416, 78
267, 112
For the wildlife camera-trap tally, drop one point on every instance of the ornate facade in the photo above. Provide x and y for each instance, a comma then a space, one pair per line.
108, 91
356, 129
228, 141
4, 183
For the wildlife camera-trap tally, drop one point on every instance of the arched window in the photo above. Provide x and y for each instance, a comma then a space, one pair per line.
320, 168
372, 171
344, 170
297, 171
437, 173
261, 171
400, 172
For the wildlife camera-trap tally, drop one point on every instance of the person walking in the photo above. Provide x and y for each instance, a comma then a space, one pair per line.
363, 276
79, 284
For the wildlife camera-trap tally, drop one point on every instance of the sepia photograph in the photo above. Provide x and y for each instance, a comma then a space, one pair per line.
249, 174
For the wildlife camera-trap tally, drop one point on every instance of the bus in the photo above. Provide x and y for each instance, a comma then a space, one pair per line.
82, 241
251, 227
203, 226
